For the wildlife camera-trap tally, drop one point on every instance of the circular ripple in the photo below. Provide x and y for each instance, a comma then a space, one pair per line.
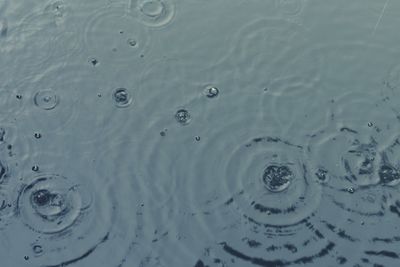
54, 97
154, 13
51, 204
110, 33
75, 206
46, 99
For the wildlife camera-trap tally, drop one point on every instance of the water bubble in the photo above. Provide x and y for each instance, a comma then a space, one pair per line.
197, 138
132, 42
41, 197
122, 97
93, 61
350, 190
183, 116
35, 168
26, 258
38, 135
277, 178
321, 174
46, 99
37, 249
211, 92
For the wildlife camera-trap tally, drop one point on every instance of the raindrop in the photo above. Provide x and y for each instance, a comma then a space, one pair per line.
46, 99
183, 116
122, 97
277, 178
211, 92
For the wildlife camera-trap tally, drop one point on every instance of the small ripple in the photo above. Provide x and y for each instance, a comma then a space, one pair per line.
154, 13
74, 215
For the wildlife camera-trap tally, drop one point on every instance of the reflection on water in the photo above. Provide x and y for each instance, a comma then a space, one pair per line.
199, 133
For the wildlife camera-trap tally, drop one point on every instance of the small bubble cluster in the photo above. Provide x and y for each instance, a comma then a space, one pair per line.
277, 178
183, 117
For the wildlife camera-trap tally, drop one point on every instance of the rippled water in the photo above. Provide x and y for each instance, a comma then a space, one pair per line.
199, 133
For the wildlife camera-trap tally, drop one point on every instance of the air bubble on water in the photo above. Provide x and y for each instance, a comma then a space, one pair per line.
35, 168
93, 61
122, 97
132, 42
46, 99
41, 197
37, 249
211, 91
277, 178
350, 190
183, 117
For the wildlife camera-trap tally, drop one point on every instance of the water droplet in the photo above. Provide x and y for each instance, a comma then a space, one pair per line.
132, 42
197, 138
350, 190
277, 178
19, 96
183, 116
93, 61
38, 135
211, 92
46, 99
37, 249
122, 97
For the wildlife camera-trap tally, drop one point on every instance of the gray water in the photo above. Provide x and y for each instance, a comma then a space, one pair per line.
199, 133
